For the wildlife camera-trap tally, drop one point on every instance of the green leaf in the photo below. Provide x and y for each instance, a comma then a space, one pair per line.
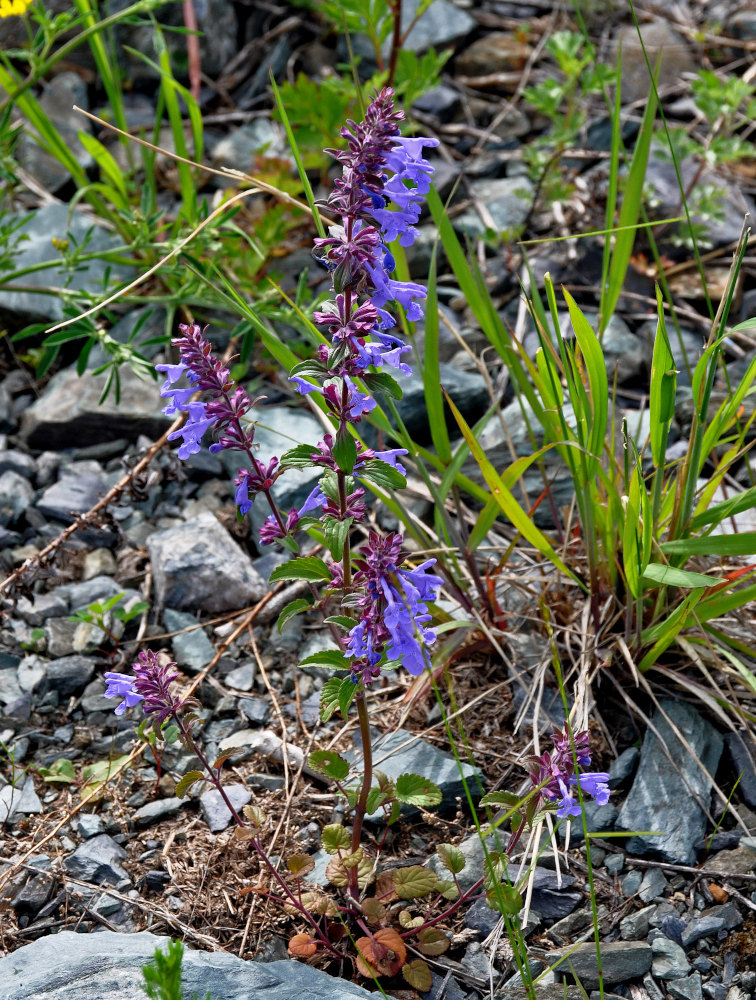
343, 621
663, 387
380, 382
293, 608
345, 450
329, 698
331, 659
346, 694
334, 837
414, 881
62, 770
304, 568
376, 798
386, 476
743, 544
329, 763
451, 857
501, 798
336, 533
668, 576
505, 899
298, 458
432, 941
418, 975
186, 782
171, 733
414, 790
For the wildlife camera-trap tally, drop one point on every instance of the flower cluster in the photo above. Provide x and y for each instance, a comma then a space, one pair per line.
555, 772
378, 199
150, 684
393, 610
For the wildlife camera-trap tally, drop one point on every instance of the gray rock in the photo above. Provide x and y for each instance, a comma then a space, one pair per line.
614, 863
31, 673
57, 101
741, 860
60, 633
71, 495
18, 461
108, 966
597, 819
729, 913
701, 927
99, 860
495, 52
635, 926
153, 812
481, 917
620, 961
662, 43
239, 149
507, 200
672, 926
41, 607
669, 959
255, 710
241, 678
654, 883
88, 825
36, 306
265, 783
215, 811
69, 410
10, 689
688, 988
621, 768
18, 801
98, 562
742, 758
81, 595
199, 565
15, 496
32, 896
192, 650
69, 675
400, 752
467, 390
151, 324
442, 101
441, 24
655, 801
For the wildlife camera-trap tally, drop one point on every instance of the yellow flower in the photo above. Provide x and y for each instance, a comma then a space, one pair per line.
10, 7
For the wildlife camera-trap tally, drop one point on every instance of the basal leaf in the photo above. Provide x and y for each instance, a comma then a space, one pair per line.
432, 941
329, 763
451, 857
300, 865
418, 975
414, 790
414, 881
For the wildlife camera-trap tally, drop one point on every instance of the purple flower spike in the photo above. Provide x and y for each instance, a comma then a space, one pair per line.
555, 773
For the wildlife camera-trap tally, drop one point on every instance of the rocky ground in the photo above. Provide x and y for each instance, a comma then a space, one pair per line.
676, 908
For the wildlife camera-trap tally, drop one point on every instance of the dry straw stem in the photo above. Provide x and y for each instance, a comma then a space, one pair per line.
257, 186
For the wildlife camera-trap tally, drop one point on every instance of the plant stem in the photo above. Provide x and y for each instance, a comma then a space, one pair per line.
367, 779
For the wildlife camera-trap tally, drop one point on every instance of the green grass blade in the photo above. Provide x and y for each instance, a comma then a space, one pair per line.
743, 544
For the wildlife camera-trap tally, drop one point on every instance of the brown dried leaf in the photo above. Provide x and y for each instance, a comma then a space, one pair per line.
383, 955
373, 910
300, 865
302, 946
384, 888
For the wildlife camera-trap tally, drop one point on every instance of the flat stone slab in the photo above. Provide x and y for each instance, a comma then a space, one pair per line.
108, 966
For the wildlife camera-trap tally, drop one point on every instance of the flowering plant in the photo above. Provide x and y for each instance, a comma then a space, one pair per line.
387, 596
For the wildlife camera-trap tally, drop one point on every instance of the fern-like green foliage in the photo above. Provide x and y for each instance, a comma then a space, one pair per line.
162, 977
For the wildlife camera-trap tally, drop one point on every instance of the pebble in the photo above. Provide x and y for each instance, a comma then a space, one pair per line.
153, 812
669, 961
192, 650
16, 494
99, 860
215, 811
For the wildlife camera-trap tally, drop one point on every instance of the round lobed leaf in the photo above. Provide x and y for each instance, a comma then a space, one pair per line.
373, 910
414, 881
383, 955
418, 975
432, 941
185, 783
414, 790
300, 865
302, 946
451, 857
335, 838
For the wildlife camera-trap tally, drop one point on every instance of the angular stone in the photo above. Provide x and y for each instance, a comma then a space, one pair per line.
241, 678
15, 496
99, 860
620, 961
20, 462
701, 927
41, 607
153, 812
88, 825
656, 800
10, 689
18, 801
199, 565
440, 24
57, 101
506, 202
60, 634
621, 768
192, 650
215, 811
741, 860
635, 926
669, 960
81, 595
661, 43
495, 52
108, 966
742, 757
688, 988
69, 410
71, 495
69, 675
35, 306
